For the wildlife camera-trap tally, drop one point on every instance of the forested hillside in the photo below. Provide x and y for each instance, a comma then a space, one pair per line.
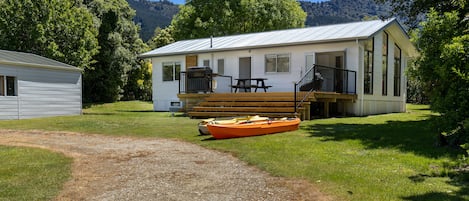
159, 13
152, 14
340, 11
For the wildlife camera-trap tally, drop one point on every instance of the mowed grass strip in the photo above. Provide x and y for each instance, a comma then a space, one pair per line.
380, 157
32, 174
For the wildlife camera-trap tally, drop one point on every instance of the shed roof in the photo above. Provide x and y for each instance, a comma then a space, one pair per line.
310, 35
32, 60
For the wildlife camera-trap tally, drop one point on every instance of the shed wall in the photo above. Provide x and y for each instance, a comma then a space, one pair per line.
41, 92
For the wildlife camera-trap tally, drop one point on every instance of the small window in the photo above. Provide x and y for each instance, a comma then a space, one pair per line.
171, 71
8, 86
276, 63
11, 86
206, 63
175, 104
221, 66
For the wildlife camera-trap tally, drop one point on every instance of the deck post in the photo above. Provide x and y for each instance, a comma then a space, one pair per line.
294, 98
326, 109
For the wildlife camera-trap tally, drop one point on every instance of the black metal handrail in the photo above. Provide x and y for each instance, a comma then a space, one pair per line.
324, 78
209, 84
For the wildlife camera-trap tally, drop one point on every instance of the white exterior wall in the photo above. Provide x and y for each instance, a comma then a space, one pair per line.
166, 92
41, 92
280, 82
365, 104
377, 103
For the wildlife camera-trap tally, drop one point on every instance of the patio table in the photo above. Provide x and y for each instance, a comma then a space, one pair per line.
245, 84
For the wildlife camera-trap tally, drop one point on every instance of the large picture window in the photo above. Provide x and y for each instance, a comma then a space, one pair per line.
171, 71
397, 70
277, 63
368, 67
7, 86
385, 65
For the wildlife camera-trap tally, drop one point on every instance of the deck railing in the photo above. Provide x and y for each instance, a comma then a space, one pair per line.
326, 79
208, 84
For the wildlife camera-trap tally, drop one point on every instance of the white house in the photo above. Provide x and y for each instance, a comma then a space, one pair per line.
34, 86
376, 51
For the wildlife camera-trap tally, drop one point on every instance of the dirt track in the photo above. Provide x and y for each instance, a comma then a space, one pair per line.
121, 168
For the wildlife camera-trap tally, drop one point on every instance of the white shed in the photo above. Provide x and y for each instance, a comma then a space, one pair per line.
34, 86
375, 51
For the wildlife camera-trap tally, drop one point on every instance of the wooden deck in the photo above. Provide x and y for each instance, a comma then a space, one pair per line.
270, 104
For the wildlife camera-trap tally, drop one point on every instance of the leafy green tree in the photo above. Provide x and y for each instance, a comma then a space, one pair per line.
161, 37
444, 69
203, 18
61, 30
416, 92
414, 11
119, 46
139, 83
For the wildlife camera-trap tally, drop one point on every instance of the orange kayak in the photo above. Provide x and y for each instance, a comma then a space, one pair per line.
203, 130
246, 129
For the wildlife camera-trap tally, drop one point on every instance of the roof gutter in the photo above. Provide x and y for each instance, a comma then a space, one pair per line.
31, 65
144, 56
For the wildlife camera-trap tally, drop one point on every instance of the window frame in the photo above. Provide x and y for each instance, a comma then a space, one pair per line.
385, 67
5, 85
397, 70
275, 66
206, 62
368, 70
221, 71
175, 71
2, 85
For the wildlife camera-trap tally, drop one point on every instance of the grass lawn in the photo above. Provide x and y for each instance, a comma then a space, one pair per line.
382, 157
31, 174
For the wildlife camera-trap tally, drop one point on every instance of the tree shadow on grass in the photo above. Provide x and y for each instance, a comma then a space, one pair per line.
100, 113
208, 139
461, 194
136, 111
418, 137
408, 136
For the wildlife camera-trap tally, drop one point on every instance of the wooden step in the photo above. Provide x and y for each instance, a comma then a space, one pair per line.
248, 104
258, 94
250, 99
271, 104
243, 109
236, 114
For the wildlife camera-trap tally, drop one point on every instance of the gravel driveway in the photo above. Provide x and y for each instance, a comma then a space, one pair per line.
123, 168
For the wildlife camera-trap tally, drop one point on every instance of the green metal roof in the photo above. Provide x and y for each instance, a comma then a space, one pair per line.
32, 60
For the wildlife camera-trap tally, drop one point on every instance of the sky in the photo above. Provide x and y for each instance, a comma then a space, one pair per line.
182, 1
